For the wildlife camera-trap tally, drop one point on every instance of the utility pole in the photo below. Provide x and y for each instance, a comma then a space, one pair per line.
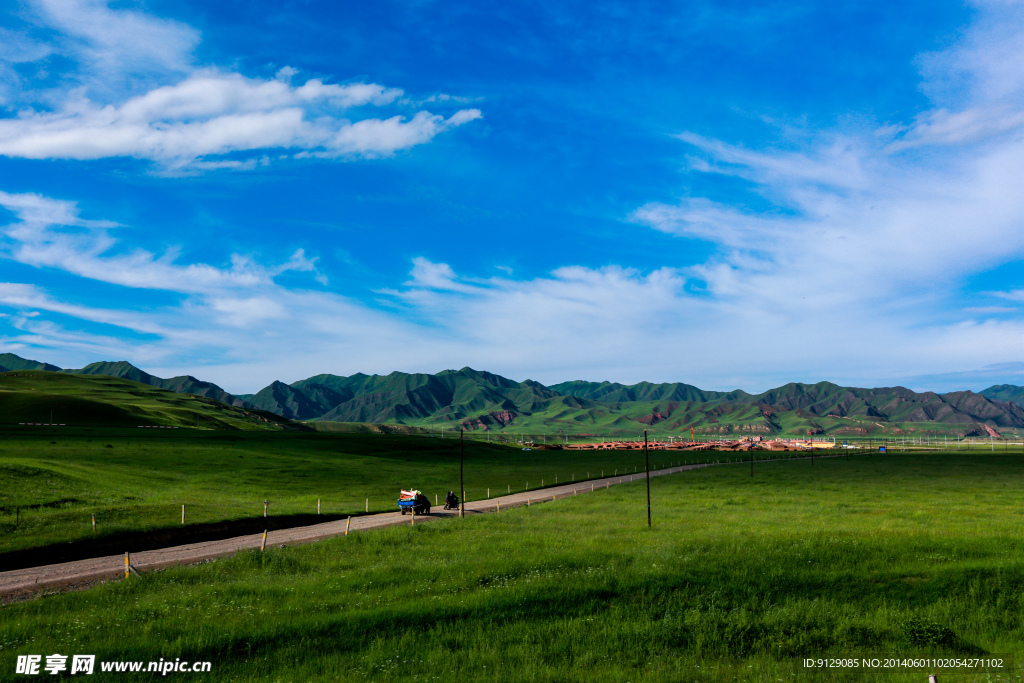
647, 469
462, 480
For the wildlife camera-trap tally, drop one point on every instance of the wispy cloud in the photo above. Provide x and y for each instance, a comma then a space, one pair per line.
864, 223
606, 323
113, 43
42, 238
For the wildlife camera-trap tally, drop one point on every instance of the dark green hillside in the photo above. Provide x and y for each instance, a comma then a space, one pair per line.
100, 400
483, 401
184, 384
999, 392
8, 362
613, 392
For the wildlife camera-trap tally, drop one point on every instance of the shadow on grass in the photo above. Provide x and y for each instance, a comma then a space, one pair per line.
138, 541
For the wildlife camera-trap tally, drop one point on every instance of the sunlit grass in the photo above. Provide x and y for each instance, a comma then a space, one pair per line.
51, 485
739, 578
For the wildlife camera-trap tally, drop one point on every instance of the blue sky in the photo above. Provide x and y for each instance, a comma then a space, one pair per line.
734, 195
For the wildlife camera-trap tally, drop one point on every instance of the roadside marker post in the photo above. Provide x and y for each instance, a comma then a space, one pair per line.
126, 567
94, 522
263, 545
462, 479
367, 504
266, 504
183, 514
318, 506
348, 523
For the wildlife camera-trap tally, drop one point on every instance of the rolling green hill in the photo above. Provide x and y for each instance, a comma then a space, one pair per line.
1005, 392
38, 396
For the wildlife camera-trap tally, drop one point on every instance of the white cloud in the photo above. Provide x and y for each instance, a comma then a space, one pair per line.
212, 113
138, 93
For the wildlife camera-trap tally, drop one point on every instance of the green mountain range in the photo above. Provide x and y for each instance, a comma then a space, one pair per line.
477, 400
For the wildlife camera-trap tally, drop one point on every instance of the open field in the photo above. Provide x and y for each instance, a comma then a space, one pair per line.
739, 579
53, 479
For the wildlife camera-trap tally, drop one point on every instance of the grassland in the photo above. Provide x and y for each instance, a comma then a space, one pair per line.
739, 579
53, 479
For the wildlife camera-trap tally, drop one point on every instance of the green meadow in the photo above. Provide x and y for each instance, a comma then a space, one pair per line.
52, 480
740, 578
